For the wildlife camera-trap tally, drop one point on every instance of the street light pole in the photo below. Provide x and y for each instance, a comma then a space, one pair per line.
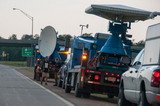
30, 17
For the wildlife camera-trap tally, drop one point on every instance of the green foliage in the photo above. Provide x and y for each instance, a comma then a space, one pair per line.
87, 34
36, 36
13, 54
64, 36
13, 37
140, 43
14, 63
27, 37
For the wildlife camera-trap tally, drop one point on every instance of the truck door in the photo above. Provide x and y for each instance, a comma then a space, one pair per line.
130, 78
135, 73
136, 78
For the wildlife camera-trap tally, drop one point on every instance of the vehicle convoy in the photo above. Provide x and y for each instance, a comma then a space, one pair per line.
48, 47
97, 67
141, 83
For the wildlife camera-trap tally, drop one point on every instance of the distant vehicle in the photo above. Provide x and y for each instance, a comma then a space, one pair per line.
141, 83
63, 72
51, 49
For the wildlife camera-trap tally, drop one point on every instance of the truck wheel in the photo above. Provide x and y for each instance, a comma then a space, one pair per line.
77, 91
121, 98
110, 96
67, 89
143, 100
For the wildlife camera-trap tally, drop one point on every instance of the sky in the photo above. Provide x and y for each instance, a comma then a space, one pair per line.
66, 16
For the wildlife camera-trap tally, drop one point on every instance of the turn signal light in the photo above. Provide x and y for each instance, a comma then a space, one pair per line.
84, 56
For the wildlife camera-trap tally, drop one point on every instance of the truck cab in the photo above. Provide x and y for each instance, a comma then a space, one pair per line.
141, 82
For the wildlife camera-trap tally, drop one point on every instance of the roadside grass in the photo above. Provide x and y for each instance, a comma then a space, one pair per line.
14, 63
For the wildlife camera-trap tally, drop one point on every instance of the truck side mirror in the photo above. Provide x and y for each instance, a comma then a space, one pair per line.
137, 64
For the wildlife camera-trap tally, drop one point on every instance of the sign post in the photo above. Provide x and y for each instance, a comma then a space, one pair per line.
28, 52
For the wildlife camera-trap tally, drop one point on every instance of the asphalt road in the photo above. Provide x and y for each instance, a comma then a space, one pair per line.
94, 100
18, 90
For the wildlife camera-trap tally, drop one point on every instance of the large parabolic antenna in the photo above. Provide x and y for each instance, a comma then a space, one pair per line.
47, 41
120, 13
120, 18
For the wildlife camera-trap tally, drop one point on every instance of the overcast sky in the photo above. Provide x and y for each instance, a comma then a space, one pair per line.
66, 16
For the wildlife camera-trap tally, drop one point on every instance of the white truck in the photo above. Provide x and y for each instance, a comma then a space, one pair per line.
141, 83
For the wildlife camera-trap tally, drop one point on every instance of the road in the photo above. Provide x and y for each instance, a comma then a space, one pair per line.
18, 90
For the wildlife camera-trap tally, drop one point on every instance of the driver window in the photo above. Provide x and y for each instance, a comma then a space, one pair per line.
139, 58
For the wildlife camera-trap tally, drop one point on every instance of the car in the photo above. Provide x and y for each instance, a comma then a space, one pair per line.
140, 84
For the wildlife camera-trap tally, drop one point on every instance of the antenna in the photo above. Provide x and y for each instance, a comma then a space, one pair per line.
47, 41
82, 27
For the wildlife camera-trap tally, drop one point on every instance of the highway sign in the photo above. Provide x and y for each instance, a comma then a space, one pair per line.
27, 52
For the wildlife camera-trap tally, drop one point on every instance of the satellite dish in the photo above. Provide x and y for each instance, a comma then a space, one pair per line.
120, 13
47, 41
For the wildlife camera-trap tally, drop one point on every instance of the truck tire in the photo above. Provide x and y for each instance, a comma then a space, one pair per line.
67, 89
77, 91
143, 100
121, 98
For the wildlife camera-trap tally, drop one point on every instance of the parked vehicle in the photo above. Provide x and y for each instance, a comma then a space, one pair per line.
96, 66
54, 51
63, 71
141, 83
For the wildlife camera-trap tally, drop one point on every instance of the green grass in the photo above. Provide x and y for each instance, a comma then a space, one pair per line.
14, 63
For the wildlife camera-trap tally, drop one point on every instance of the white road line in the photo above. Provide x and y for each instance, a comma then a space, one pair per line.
57, 96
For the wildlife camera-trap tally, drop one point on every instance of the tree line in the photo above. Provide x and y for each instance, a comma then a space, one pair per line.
10, 53
15, 53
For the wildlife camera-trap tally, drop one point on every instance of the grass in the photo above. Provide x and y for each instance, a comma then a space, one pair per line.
14, 63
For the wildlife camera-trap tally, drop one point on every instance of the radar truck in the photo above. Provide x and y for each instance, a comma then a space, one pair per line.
97, 66
49, 47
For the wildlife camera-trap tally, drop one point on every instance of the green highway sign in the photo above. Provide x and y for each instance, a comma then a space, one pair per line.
27, 52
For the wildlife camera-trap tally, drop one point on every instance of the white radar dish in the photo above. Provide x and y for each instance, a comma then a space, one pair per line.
47, 41
120, 13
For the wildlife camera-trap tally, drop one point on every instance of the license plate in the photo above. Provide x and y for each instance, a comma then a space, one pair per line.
112, 79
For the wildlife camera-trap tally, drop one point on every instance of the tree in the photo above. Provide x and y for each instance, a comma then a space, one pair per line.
64, 36
27, 37
87, 34
13, 37
36, 36
140, 43
1, 37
